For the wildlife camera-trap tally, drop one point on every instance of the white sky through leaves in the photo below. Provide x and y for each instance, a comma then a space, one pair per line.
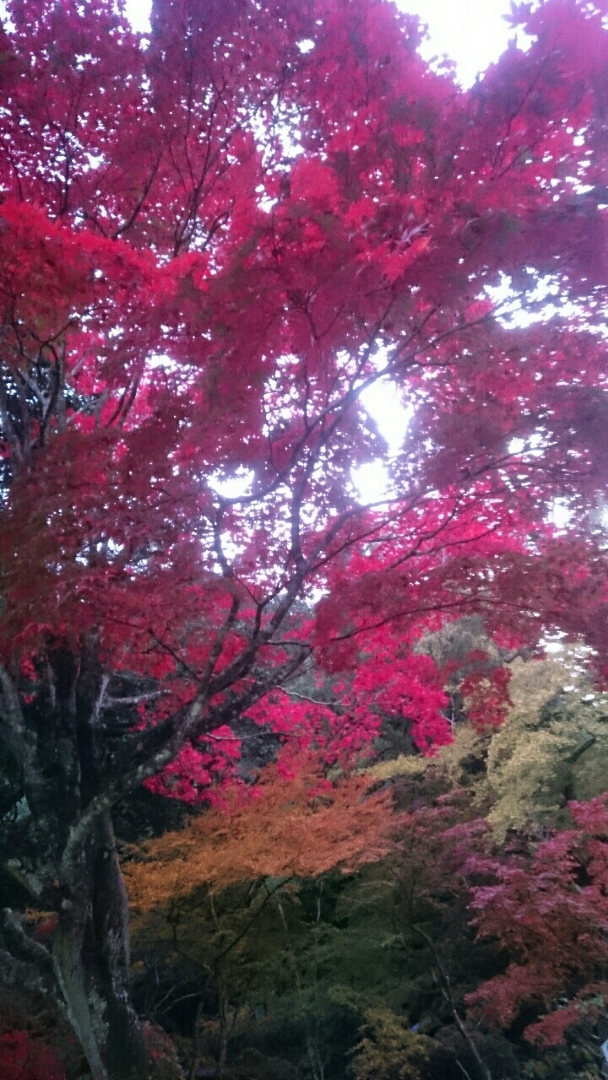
472, 33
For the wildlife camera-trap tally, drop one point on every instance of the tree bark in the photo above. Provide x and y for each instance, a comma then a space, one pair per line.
69, 864
91, 957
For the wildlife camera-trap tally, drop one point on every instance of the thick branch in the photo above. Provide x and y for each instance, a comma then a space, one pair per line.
14, 733
30, 951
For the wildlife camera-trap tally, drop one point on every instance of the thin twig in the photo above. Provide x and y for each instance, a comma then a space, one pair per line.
445, 986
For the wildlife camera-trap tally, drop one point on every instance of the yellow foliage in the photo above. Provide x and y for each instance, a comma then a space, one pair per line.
550, 747
390, 1051
449, 759
288, 827
467, 745
404, 765
553, 746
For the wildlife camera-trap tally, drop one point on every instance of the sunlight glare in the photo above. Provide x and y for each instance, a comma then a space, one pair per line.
138, 13
232, 487
371, 481
382, 402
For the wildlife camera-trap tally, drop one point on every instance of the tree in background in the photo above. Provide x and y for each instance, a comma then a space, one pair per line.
211, 243
548, 908
551, 748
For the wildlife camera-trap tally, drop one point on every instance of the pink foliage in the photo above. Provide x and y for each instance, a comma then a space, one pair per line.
549, 910
22, 1058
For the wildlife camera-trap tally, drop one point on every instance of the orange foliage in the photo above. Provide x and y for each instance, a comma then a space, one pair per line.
288, 826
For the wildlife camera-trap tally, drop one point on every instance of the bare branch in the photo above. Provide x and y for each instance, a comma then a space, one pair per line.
32, 951
445, 986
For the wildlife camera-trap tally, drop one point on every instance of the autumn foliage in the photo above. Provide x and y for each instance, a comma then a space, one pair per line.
289, 826
22, 1058
213, 241
550, 911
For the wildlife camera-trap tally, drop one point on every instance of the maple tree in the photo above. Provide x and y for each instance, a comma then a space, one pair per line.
548, 909
291, 827
212, 241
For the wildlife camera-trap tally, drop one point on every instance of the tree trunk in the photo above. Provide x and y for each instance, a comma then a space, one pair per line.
91, 957
224, 1017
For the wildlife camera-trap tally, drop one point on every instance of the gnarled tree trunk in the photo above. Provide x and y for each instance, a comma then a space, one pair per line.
91, 958
69, 864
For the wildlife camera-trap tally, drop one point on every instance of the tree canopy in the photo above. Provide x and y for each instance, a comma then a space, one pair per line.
213, 240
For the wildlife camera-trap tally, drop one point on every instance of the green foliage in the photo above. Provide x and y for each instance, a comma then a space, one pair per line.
300, 963
273, 951
576, 1062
